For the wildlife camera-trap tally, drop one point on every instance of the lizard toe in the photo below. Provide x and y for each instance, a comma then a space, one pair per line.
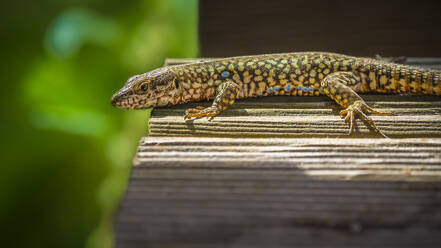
201, 112
356, 111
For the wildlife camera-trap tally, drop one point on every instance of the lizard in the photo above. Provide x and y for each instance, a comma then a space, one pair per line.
340, 77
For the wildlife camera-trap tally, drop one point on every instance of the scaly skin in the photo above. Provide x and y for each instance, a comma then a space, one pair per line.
338, 76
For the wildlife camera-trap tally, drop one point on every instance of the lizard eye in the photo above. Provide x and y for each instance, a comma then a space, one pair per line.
144, 87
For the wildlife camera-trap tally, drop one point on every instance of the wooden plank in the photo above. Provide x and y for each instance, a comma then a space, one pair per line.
315, 157
247, 192
285, 116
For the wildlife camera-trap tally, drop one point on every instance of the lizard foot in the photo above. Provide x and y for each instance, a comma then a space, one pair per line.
201, 112
356, 109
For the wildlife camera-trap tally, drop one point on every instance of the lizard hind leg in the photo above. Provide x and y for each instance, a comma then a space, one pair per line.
226, 94
338, 87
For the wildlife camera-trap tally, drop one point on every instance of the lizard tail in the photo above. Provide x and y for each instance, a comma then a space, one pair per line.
437, 83
420, 81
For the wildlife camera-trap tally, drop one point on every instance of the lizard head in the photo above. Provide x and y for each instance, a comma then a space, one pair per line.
154, 88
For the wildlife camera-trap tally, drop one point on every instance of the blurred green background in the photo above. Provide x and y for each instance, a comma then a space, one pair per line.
66, 152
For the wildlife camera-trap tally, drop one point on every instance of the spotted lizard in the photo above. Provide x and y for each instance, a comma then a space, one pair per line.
337, 76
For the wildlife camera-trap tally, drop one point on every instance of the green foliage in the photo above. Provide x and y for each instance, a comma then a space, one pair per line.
66, 151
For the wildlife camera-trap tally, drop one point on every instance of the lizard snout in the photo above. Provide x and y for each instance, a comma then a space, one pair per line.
119, 97
115, 99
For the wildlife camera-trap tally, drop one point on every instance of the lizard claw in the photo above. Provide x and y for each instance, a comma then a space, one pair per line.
201, 112
356, 109
189, 112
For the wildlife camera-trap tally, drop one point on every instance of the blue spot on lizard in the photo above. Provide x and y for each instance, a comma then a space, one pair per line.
225, 74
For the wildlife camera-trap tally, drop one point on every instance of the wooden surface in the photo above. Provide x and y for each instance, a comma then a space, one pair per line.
286, 116
243, 192
361, 28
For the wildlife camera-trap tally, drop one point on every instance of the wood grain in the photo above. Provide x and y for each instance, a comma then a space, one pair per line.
245, 192
345, 158
284, 116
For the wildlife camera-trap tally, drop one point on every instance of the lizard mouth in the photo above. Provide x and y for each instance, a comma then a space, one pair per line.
131, 101
134, 103
118, 99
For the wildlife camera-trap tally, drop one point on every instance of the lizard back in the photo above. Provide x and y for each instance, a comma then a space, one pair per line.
300, 74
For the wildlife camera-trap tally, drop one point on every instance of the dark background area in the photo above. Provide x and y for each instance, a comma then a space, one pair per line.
360, 28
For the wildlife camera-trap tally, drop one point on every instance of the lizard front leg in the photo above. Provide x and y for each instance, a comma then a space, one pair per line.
338, 87
226, 94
